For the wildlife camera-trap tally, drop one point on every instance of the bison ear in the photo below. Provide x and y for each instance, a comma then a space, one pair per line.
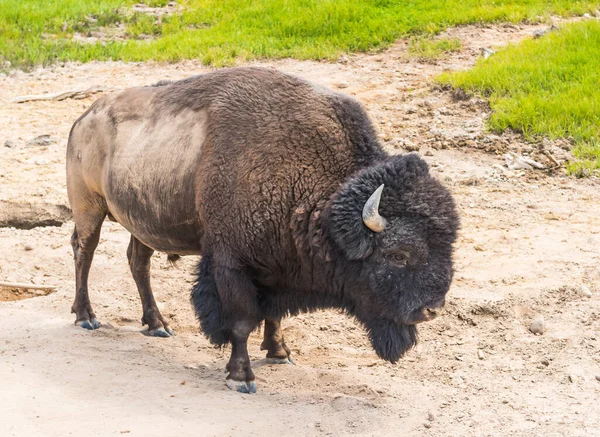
347, 226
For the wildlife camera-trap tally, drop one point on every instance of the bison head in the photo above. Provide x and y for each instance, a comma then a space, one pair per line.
394, 226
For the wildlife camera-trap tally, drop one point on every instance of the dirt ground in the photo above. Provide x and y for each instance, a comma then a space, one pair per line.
529, 247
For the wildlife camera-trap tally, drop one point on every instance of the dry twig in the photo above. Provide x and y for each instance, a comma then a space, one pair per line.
72, 94
27, 286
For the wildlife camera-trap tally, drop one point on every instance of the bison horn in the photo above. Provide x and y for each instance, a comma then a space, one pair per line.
370, 214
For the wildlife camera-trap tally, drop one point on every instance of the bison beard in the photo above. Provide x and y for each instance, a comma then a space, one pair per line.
391, 340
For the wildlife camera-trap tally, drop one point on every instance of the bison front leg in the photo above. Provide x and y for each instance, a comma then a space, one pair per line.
274, 344
139, 256
241, 377
226, 305
240, 315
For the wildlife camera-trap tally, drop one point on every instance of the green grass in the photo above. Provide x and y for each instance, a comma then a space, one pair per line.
549, 86
220, 31
429, 49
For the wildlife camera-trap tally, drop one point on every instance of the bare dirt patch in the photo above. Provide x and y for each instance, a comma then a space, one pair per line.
529, 247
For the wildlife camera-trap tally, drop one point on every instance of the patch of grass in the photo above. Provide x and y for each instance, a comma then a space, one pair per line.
549, 86
219, 31
430, 49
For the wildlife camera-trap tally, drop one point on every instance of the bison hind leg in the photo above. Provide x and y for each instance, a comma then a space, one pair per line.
84, 241
207, 305
274, 344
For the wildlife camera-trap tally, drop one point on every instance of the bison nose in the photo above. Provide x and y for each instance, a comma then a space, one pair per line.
432, 313
428, 313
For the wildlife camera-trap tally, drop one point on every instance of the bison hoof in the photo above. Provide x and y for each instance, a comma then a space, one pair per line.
241, 386
89, 324
280, 361
161, 332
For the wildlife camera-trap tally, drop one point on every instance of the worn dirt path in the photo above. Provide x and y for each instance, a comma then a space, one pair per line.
528, 243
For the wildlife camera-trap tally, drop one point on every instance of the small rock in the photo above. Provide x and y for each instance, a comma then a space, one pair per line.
585, 290
537, 326
428, 153
517, 162
342, 85
41, 140
427, 425
436, 132
28, 246
480, 354
430, 416
410, 109
546, 363
597, 377
587, 16
540, 33
410, 147
10, 144
486, 53
457, 380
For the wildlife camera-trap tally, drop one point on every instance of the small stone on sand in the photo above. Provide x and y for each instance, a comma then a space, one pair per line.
538, 326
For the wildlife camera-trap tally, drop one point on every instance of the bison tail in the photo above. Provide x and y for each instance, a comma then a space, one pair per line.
207, 304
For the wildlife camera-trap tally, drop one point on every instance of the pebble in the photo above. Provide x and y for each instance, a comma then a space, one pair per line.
430, 416
480, 354
486, 53
10, 144
585, 290
28, 246
457, 380
41, 140
597, 377
538, 326
342, 85
410, 147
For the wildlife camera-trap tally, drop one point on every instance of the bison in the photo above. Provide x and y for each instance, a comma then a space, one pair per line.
284, 190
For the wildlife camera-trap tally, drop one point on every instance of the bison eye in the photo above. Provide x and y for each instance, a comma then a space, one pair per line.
401, 259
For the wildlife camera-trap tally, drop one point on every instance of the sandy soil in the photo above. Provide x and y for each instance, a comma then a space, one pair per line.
529, 247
